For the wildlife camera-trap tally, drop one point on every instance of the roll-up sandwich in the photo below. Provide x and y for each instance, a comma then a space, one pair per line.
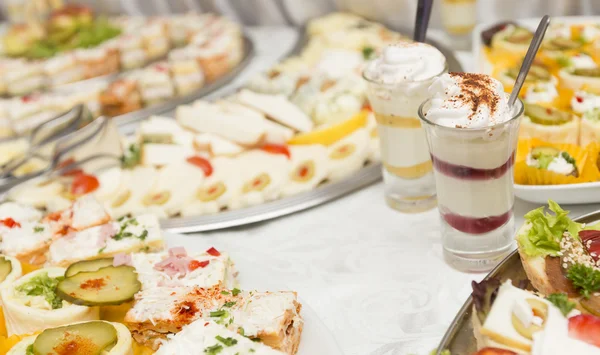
31, 303
93, 337
549, 124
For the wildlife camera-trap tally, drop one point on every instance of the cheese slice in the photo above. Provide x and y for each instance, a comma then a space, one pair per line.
278, 108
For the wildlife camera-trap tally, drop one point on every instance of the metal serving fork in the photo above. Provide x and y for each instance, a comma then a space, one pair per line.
47, 133
91, 147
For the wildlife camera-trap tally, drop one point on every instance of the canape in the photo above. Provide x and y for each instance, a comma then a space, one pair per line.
549, 124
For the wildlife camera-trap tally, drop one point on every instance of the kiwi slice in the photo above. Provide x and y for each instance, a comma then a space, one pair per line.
5, 268
87, 266
546, 116
520, 36
561, 44
544, 151
90, 338
590, 72
110, 285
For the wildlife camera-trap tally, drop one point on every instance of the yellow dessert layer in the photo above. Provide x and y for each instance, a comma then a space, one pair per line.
410, 172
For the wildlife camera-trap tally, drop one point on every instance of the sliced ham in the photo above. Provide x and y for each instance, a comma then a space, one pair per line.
177, 252
122, 259
174, 266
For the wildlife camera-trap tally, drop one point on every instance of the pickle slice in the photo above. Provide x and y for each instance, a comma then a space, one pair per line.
590, 72
90, 338
537, 152
546, 116
558, 44
111, 285
520, 36
5, 268
87, 266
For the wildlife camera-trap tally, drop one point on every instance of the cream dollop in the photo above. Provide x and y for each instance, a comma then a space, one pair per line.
467, 100
406, 61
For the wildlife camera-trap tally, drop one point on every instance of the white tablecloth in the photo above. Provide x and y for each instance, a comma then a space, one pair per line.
376, 277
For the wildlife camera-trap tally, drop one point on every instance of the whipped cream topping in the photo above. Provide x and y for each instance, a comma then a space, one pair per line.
406, 61
584, 101
467, 100
541, 92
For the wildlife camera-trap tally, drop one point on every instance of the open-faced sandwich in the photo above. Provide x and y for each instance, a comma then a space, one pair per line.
119, 292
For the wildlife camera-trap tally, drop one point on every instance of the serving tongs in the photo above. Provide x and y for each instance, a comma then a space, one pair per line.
46, 133
95, 146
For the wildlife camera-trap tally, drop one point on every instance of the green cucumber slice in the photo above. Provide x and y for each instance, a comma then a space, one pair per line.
111, 285
90, 338
87, 266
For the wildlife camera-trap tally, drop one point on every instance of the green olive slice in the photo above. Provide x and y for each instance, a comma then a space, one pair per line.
111, 285
90, 338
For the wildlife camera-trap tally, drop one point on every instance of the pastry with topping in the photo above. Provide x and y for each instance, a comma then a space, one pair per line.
121, 96
590, 127
552, 159
549, 124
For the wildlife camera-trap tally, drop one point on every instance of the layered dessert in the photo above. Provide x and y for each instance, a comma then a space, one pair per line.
472, 134
398, 83
459, 16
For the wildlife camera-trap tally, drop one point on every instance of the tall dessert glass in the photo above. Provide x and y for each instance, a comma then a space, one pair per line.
397, 84
472, 136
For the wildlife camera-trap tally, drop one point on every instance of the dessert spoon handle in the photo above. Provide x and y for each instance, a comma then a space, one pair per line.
536, 42
422, 20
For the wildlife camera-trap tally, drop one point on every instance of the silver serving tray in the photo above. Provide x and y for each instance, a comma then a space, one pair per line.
459, 337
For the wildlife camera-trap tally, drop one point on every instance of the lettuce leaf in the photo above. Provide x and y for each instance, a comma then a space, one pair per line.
592, 227
545, 234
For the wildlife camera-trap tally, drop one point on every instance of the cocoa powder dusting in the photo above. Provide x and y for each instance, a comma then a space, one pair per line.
477, 90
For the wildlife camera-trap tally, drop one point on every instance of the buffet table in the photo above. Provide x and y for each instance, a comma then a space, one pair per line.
375, 277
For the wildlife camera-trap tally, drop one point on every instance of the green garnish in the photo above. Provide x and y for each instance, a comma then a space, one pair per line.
43, 285
226, 341
545, 234
224, 292
132, 157
101, 250
564, 61
213, 350
367, 52
584, 278
235, 292
444, 352
241, 331
592, 115
29, 350
561, 301
121, 234
38, 229
229, 304
568, 158
217, 314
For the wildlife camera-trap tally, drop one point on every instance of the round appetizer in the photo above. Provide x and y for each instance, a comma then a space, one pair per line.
549, 124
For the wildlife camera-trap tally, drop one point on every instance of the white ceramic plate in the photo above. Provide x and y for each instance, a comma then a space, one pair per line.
316, 338
563, 194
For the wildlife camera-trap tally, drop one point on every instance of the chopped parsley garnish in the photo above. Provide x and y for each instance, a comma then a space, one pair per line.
568, 158
101, 250
43, 285
38, 229
229, 304
368, 52
241, 331
121, 234
561, 301
584, 278
235, 292
226, 341
219, 313
224, 292
29, 350
213, 350
132, 157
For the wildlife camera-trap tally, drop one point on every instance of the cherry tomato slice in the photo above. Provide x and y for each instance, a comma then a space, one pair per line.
84, 184
195, 264
72, 172
10, 223
213, 252
276, 149
202, 163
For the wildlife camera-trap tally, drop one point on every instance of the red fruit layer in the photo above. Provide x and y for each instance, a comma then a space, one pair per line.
474, 225
585, 327
468, 173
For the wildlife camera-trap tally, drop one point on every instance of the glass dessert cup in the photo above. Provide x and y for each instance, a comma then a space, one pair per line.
473, 171
409, 185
